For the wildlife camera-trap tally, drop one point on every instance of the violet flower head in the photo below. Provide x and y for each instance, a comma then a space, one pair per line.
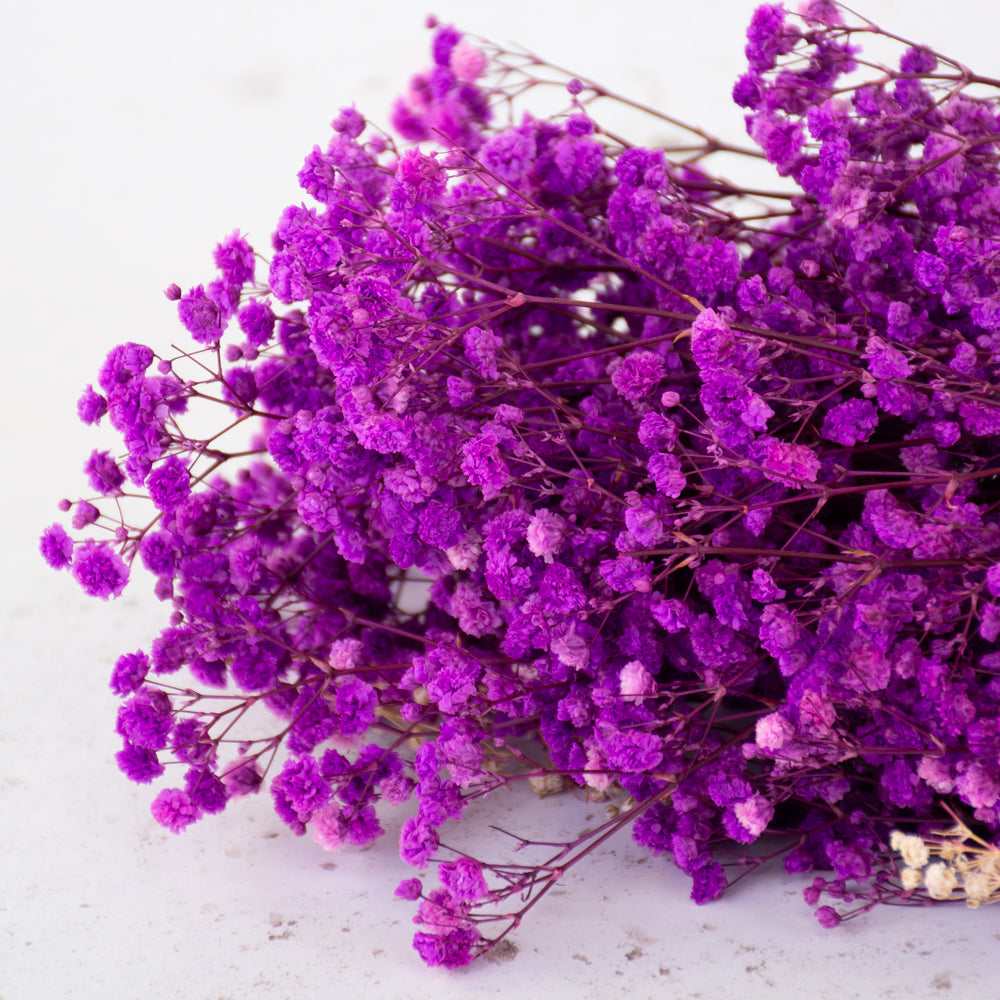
169, 484
174, 810
99, 570
104, 474
464, 879
201, 315
56, 547
409, 888
91, 406
129, 672
234, 258
637, 375
417, 842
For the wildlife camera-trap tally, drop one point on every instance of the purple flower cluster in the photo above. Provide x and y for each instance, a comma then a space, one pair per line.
562, 439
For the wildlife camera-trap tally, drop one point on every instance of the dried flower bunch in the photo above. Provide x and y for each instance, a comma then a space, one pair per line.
968, 867
701, 481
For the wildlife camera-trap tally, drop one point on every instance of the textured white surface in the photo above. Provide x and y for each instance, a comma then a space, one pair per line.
135, 136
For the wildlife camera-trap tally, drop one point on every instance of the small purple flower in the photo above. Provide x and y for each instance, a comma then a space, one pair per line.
99, 570
781, 462
91, 406
409, 888
460, 391
545, 533
257, 321
450, 950
103, 474
484, 464
481, 350
129, 673
446, 37
201, 316
174, 810
890, 520
158, 553
205, 790
657, 432
124, 363
242, 777
234, 257
709, 883
139, 764
636, 376
363, 827
145, 720
850, 422
886, 361
780, 139
768, 36
84, 513
356, 702
417, 842
464, 879
754, 814
169, 484
509, 154
671, 614
56, 546
633, 752
667, 473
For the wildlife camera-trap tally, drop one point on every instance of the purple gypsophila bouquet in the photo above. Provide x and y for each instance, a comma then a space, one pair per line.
568, 461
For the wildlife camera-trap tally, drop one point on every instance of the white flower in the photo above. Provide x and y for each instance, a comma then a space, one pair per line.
940, 880
915, 852
976, 886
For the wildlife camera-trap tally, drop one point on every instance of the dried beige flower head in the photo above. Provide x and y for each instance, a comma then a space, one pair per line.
913, 850
940, 880
965, 864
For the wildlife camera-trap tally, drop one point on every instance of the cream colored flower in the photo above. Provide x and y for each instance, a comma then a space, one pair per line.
915, 852
977, 887
989, 864
940, 880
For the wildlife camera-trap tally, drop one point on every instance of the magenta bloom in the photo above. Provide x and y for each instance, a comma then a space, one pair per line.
169, 484
56, 546
99, 570
174, 810
637, 375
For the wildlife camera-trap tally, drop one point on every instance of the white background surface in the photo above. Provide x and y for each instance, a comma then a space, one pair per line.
134, 137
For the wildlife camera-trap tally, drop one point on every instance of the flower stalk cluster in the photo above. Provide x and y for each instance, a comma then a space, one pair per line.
964, 867
563, 460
